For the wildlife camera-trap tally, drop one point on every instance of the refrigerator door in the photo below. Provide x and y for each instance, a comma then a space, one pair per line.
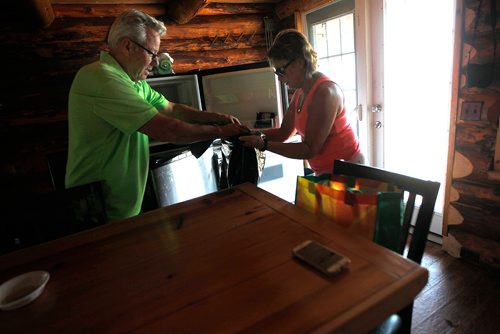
183, 177
176, 174
253, 95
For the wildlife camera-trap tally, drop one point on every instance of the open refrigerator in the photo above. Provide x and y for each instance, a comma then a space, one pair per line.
254, 95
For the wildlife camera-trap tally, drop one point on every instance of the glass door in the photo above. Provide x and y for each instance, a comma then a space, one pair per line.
331, 32
400, 79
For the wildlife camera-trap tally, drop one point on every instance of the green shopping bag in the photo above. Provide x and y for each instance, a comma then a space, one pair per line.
366, 207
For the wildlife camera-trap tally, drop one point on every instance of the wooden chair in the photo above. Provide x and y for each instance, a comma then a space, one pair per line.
428, 190
78, 208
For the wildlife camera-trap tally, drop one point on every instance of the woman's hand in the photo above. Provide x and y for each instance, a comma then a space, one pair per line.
257, 140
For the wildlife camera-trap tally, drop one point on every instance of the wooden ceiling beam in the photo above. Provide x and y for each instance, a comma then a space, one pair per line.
44, 12
289, 7
183, 11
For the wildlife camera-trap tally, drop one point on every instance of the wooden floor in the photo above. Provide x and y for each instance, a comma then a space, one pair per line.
460, 297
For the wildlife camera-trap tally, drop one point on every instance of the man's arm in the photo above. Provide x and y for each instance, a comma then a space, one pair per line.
189, 114
168, 129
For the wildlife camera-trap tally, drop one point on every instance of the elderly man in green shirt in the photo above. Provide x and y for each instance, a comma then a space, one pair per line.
113, 112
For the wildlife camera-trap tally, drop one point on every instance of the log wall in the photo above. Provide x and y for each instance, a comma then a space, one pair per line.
473, 224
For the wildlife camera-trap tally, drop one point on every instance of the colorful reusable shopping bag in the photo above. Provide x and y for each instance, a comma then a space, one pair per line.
366, 207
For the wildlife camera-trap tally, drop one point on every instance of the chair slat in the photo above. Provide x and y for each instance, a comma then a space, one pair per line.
408, 215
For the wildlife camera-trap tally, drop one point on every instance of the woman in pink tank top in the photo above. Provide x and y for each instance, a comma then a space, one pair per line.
316, 112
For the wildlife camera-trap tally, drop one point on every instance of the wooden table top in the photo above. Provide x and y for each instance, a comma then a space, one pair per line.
220, 263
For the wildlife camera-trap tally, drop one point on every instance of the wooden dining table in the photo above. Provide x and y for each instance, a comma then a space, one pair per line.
220, 263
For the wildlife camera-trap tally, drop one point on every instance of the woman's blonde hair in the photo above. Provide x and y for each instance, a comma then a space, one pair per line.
291, 44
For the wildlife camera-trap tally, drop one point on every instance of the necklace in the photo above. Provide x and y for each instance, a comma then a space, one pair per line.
301, 102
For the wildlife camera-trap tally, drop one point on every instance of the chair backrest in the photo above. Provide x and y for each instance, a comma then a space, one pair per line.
83, 206
428, 190
56, 162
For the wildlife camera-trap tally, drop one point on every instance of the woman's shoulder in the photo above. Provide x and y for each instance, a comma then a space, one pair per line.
326, 85
324, 79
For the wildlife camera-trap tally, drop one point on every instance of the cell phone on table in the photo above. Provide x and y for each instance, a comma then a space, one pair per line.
321, 257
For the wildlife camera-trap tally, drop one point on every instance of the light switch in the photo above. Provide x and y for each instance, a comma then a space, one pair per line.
471, 110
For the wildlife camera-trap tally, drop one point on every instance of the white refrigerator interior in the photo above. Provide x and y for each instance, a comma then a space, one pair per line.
178, 89
245, 94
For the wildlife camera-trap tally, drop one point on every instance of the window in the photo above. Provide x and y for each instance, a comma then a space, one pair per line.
331, 32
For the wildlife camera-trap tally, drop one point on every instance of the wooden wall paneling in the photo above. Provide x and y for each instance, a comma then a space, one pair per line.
479, 134
487, 192
24, 169
477, 249
480, 162
481, 216
473, 218
214, 43
208, 26
192, 61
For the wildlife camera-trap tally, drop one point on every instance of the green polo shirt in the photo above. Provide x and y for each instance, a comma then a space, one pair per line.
105, 110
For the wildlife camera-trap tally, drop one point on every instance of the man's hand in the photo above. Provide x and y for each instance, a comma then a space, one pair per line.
225, 119
232, 130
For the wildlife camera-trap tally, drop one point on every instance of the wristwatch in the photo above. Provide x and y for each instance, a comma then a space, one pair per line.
264, 140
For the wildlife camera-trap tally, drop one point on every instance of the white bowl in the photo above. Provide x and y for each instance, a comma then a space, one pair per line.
22, 289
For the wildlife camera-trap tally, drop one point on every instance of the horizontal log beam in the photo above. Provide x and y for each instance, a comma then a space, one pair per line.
108, 2
200, 27
184, 11
106, 10
288, 7
192, 61
164, 2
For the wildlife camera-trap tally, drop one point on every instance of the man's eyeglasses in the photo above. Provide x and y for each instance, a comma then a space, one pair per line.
151, 53
281, 71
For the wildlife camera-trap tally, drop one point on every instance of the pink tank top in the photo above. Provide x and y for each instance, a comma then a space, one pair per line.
341, 143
